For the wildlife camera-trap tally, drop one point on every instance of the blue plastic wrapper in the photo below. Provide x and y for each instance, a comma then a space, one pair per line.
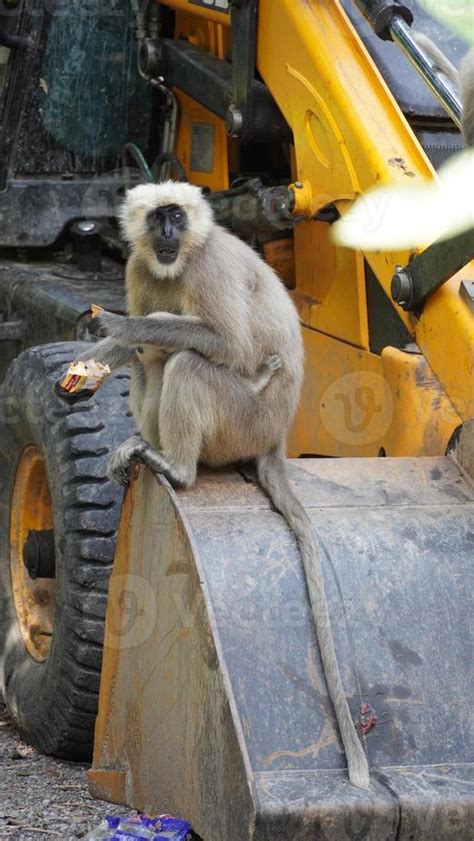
163, 828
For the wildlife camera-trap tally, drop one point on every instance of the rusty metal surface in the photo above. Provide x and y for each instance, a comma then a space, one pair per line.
213, 700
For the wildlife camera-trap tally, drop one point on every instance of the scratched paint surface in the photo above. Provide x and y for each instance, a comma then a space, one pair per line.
393, 534
396, 624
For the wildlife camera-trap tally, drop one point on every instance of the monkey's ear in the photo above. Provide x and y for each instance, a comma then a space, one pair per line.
133, 211
128, 219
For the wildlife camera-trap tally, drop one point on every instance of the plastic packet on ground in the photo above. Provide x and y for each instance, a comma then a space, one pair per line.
139, 827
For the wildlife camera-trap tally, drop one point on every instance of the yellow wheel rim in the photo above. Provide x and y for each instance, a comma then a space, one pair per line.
31, 509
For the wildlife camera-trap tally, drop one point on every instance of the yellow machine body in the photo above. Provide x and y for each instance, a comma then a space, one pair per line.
349, 134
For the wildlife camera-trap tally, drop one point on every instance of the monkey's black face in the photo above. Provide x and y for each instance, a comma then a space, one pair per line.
167, 225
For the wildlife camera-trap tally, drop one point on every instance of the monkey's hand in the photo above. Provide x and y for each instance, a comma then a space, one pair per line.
125, 330
107, 353
167, 331
120, 329
108, 324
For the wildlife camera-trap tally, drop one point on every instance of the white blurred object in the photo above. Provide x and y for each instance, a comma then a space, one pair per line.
411, 216
457, 16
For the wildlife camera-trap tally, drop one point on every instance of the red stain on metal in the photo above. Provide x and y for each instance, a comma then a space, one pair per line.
368, 718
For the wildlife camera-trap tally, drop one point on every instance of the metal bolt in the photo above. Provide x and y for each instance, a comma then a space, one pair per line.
234, 122
86, 226
298, 185
401, 287
149, 57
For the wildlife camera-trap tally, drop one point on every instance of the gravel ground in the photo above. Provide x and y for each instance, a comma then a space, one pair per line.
42, 797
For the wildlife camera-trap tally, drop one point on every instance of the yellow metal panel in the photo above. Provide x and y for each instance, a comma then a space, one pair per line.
346, 406
331, 285
423, 418
193, 114
445, 334
213, 10
201, 30
355, 403
348, 129
350, 134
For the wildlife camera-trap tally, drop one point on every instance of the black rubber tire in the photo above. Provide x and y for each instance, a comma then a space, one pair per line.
55, 702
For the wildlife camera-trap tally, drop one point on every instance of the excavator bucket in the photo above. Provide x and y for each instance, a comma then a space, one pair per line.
213, 702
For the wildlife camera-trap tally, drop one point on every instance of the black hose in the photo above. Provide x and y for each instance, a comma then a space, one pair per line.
13, 42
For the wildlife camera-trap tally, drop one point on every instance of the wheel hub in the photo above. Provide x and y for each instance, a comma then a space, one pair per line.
32, 560
39, 554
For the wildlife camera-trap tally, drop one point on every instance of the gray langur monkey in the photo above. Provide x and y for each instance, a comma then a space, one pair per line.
462, 79
204, 310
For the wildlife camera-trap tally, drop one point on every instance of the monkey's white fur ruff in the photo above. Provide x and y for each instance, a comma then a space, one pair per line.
133, 221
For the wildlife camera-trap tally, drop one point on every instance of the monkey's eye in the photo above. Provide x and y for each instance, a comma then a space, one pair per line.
177, 216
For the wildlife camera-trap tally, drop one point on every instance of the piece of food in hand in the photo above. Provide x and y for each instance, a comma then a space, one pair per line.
85, 374
95, 310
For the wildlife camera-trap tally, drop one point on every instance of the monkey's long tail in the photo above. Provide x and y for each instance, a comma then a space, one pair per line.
273, 478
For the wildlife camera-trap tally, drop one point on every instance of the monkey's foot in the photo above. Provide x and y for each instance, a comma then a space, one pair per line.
124, 459
135, 449
157, 462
